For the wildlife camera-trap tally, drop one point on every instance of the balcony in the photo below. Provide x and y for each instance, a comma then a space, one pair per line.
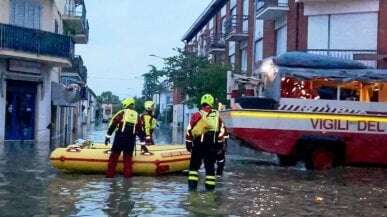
191, 48
216, 44
367, 57
74, 20
236, 28
75, 74
271, 9
35, 45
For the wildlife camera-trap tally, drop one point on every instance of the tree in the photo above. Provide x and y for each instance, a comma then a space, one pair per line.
108, 97
139, 106
196, 76
152, 82
193, 75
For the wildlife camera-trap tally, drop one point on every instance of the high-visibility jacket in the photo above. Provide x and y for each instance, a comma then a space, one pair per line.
205, 121
149, 123
124, 118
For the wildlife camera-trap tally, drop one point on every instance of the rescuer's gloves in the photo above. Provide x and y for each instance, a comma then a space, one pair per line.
188, 145
107, 140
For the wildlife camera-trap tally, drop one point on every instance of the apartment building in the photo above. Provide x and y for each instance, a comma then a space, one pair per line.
37, 40
350, 29
225, 33
253, 30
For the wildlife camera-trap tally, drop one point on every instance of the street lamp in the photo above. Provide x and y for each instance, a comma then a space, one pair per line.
156, 56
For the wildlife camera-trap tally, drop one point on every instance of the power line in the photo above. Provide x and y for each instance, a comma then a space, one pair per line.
113, 78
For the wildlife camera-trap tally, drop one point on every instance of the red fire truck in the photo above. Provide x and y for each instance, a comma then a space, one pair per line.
320, 110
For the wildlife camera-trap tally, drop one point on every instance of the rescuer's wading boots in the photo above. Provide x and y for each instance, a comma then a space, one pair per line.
210, 183
113, 159
193, 179
128, 172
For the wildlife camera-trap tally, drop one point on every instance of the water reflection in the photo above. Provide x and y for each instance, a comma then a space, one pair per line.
30, 187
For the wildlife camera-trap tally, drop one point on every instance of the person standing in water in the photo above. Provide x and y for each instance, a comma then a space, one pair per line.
204, 134
127, 125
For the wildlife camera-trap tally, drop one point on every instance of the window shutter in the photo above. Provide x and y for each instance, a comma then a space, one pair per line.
20, 13
37, 15
13, 12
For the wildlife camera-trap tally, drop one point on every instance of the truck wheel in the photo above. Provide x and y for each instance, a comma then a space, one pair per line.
286, 160
320, 158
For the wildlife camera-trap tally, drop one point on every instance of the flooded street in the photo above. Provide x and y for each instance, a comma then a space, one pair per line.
29, 186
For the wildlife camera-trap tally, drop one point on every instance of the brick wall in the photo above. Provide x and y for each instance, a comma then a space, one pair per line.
297, 27
268, 38
178, 96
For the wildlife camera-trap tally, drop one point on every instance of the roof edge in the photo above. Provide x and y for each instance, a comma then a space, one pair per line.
203, 19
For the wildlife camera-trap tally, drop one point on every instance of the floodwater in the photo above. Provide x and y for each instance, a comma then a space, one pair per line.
251, 186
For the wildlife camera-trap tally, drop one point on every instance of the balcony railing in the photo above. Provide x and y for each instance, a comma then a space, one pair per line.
35, 41
216, 43
191, 48
76, 23
236, 28
367, 57
271, 9
77, 68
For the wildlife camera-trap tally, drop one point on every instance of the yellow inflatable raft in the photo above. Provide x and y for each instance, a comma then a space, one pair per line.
93, 158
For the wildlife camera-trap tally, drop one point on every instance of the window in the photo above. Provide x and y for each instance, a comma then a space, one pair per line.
25, 13
244, 60
233, 3
281, 40
233, 7
326, 32
258, 34
211, 24
231, 54
318, 32
259, 4
245, 7
281, 35
231, 60
224, 20
258, 50
245, 13
231, 48
234, 11
223, 12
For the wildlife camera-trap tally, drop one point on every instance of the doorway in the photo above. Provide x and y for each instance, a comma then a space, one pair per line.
20, 110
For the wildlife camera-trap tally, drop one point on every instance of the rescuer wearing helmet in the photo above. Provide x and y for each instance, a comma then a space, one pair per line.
205, 133
126, 124
149, 123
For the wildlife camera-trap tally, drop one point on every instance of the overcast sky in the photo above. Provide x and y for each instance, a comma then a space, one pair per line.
123, 33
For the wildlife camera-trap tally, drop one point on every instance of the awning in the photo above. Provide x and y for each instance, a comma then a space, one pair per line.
340, 75
306, 66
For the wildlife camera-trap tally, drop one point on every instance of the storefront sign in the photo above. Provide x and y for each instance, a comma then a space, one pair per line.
24, 67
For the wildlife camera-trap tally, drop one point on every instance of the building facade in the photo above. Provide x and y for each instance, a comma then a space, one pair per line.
244, 32
37, 40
